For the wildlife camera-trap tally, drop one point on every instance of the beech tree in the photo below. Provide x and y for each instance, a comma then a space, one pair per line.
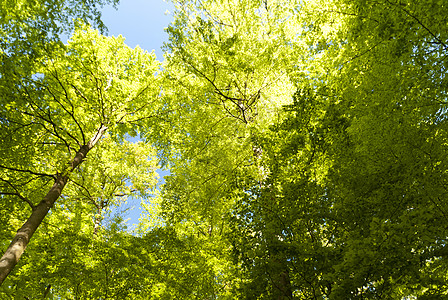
226, 79
56, 117
313, 201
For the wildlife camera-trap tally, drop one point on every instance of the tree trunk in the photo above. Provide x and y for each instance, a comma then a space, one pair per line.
24, 234
278, 270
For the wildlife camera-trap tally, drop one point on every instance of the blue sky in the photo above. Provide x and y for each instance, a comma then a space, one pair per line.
142, 23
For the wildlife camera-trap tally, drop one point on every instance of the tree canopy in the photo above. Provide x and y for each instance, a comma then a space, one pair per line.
306, 143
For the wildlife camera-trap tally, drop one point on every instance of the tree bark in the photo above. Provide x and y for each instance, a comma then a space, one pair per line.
24, 234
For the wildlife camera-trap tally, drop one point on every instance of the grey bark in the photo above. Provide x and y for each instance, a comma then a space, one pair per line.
24, 234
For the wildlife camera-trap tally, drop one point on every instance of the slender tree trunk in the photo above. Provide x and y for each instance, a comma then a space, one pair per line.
282, 283
24, 234
97, 222
278, 270
280, 279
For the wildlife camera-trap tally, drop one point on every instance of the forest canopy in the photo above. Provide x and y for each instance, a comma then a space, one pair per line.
306, 143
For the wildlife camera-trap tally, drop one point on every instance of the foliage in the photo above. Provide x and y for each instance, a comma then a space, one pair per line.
340, 196
306, 143
73, 93
30, 27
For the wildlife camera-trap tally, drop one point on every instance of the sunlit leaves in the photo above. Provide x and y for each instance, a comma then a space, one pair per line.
343, 178
306, 142
92, 83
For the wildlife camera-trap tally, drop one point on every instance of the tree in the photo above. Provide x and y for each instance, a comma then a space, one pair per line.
226, 79
30, 30
71, 100
344, 179
376, 132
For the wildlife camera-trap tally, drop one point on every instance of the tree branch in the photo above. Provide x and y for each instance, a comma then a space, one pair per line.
28, 171
419, 22
33, 207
